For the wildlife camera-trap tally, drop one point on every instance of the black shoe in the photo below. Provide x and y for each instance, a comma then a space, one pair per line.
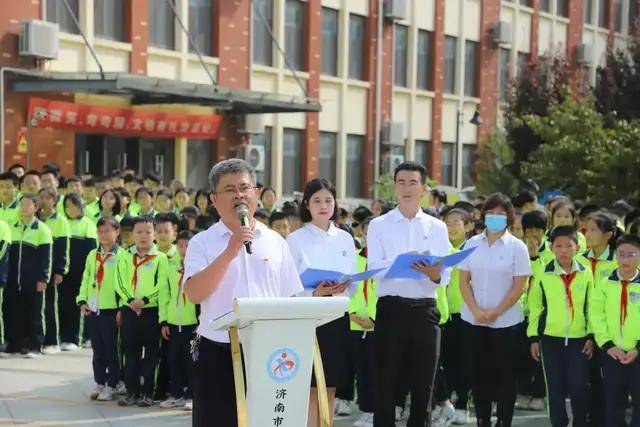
128, 400
145, 402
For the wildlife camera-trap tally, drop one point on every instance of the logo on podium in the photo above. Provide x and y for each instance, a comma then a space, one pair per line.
283, 365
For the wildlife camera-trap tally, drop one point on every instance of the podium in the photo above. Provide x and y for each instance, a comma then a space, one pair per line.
278, 337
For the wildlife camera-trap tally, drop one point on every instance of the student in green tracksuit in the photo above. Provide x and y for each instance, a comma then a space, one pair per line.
60, 232
531, 389
178, 320
29, 273
99, 301
143, 272
5, 245
559, 330
362, 315
614, 311
109, 204
564, 213
82, 241
9, 201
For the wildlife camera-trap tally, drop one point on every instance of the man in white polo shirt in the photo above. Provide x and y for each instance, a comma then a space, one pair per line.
407, 330
218, 269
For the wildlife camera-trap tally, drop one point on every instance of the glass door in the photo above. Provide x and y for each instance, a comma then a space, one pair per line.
157, 155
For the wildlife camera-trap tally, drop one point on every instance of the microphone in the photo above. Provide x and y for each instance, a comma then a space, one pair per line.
243, 215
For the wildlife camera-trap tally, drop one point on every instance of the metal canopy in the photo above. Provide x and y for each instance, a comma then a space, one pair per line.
151, 90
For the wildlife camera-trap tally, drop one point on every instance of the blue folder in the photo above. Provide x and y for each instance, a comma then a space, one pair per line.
402, 266
312, 277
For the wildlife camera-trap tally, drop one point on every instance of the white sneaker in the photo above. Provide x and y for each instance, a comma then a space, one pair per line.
31, 355
446, 415
121, 389
461, 418
67, 346
435, 414
188, 405
343, 408
173, 403
51, 350
106, 395
86, 344
522, 402
365, 420
96, 392
399, 413
537, 404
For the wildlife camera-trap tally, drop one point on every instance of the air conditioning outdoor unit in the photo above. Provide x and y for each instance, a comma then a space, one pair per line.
393, 133
397, 10
391, 161
502, 33
583, 53
39, 39
254, 155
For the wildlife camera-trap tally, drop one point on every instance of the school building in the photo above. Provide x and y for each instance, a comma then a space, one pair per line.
343, 89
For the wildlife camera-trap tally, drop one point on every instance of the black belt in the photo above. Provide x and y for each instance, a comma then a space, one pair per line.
411, 302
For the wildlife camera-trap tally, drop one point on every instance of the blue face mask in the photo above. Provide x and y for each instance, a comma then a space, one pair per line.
495, 223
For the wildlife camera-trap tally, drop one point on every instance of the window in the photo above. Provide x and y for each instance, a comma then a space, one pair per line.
470, 68
329, 41
425, 59
450, 48
523, 60
262, 43
264, 140
618, 23
545, 5
327, 156
161, 24
528, 3
602, 14
199, 161
356, 46
200, 25
421, 151
355, 144
401, 55
588, 12
294, 36
58, 13
503, 73
633, 15
562, 8
447, 155
468, 158
291, 163
108, 18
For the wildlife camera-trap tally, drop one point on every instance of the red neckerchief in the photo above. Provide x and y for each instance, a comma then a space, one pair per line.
100, 269
567, 279
594, 263
137, 264
365, 285
623, 301
181, 290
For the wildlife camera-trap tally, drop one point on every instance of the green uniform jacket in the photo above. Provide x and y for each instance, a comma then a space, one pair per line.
30, 259
360, 305
174, 308
61, 234
105, 294
5, 245
605, 312
454, 296
602, 267
549, 307
9, 213
152, 274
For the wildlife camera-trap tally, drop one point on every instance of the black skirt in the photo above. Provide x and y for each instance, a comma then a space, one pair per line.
333, 339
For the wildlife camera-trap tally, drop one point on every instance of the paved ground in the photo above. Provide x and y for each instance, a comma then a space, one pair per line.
52, 391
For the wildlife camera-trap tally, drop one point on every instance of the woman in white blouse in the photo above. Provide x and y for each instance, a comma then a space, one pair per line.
492, 279
320, 244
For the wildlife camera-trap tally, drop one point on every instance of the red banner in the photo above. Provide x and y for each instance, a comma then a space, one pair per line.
122, 121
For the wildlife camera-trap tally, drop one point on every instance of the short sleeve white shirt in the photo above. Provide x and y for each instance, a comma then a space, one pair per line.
493, 269
269, 272
393, 234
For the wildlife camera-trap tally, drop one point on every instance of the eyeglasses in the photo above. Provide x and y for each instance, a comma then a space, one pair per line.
244, 190
627, 255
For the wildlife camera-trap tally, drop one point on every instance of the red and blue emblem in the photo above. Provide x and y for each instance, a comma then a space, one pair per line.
283, 365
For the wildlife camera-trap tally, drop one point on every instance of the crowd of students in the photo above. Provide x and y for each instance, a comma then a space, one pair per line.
102, 258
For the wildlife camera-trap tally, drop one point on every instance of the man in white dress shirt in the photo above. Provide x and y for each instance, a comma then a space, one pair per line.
407, 331
219, 269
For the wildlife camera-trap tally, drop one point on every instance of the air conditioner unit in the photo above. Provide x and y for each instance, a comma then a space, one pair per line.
502, 33
397, 10
392, 161
393, 133
254, 155
39, 39
252, 124
583, 53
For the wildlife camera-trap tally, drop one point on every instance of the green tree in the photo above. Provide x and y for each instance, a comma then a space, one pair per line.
494, 166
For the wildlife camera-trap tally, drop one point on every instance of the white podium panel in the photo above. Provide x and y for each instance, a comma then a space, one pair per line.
278, 338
